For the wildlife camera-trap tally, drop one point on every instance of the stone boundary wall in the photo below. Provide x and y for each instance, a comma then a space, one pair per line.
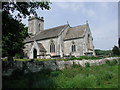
36, 66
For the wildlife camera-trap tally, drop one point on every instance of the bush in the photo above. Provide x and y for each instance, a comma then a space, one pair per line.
87, 64
75, 65
114, 62
116, 51
111, 63
107, 62
88, 57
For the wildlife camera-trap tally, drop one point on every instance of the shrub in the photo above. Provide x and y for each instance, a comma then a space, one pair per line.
76, 66
111, 63
116, 51
88, 57
74, 58
114, 62
107, 62
87, 64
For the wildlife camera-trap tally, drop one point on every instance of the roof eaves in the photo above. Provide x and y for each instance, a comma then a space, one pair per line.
74, 38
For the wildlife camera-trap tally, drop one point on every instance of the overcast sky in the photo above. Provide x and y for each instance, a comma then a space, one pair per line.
102, 18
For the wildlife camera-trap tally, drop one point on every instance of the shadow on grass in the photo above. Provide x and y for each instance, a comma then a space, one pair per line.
102, 76
30, 80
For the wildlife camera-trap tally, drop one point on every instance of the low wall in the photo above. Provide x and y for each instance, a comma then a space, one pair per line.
36, 66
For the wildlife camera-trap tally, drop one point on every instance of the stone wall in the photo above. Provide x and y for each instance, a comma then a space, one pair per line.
36, 66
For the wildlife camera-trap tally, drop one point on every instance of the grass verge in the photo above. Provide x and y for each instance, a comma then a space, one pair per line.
103, 76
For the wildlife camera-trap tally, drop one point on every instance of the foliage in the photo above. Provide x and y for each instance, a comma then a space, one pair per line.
113, 62
103, 52
89, 58
103, 76
24, 9
87, 64
13, 35
116, 51
14, 32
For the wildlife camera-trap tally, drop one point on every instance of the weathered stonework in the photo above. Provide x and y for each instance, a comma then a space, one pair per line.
62, 37
37, 66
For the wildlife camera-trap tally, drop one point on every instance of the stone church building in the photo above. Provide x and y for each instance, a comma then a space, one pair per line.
60, 41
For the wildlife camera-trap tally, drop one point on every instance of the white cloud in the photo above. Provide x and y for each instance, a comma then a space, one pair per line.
77, 7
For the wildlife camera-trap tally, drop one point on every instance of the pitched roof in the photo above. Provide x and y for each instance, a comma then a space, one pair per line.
76, 32
42, 49
48, 33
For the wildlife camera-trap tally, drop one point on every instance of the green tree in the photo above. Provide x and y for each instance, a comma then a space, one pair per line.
13, 31
116, 51
103, 52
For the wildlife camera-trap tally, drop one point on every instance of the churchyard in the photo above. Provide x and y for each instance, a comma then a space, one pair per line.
94, 73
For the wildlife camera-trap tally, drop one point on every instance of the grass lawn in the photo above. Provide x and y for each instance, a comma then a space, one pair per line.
103, 76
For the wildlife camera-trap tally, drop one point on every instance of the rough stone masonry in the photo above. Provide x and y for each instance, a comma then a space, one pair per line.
36, 66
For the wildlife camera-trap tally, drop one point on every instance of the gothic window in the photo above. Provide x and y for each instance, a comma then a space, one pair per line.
52, 47
34, 53
73, 47
88, 41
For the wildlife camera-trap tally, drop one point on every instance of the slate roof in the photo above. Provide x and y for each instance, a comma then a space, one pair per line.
48, 33
42, 49
76, 32
72, 33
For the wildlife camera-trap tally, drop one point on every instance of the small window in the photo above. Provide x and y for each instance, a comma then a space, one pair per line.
73, 48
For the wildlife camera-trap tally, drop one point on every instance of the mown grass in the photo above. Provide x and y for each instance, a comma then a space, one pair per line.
103, 76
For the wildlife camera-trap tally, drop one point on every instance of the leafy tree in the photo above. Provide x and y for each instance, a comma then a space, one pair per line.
103, 52
13, 31
116, 51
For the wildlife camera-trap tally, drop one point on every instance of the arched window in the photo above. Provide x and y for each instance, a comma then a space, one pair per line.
88, 41
52, 47
73, 47
34, 53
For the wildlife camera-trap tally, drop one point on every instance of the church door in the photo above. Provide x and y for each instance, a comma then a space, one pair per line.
34, 53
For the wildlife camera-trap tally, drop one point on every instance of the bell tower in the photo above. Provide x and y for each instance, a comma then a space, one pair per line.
35, 24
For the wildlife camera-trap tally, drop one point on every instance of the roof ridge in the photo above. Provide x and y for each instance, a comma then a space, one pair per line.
56, 26
78, 25
49, 29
